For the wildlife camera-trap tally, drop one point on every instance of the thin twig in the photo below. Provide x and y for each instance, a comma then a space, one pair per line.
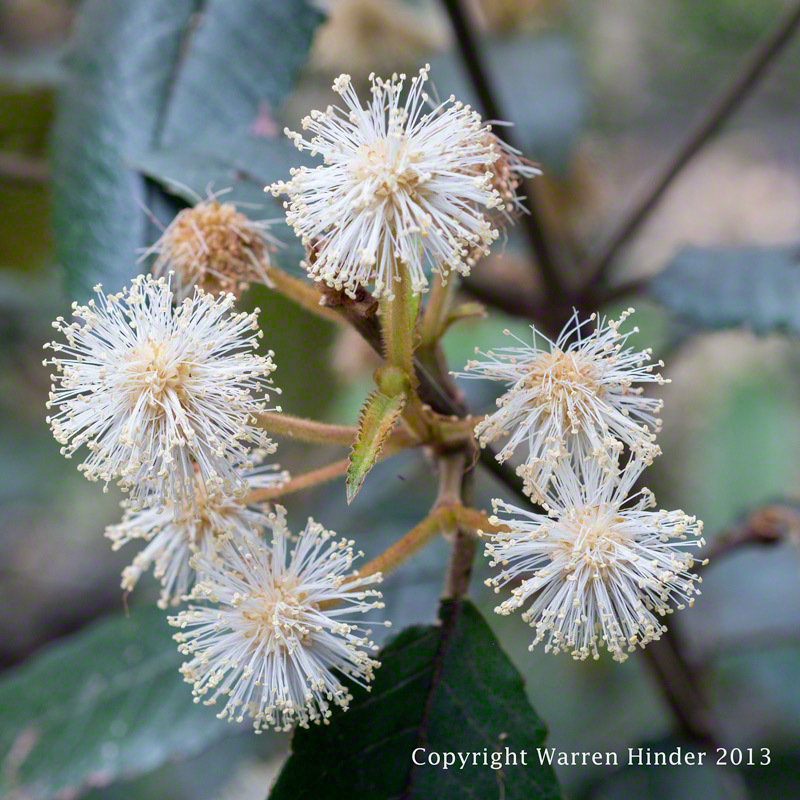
532, 222
304, 481
729, 100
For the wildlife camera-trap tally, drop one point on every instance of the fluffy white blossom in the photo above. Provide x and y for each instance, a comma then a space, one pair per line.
280, 629
576, 396
599, 569
215, 246
403, 183
172, 536
154, 392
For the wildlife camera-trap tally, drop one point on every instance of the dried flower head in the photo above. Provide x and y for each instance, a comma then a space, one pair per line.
172, 536
154, 391
401, 187
215, 247
599, 570
572, 396
278, 629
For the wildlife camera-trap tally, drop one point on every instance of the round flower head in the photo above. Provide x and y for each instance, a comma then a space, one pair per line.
572, 396
280, 631
600, 569
403, 183
163, 398
213, 246
172, 536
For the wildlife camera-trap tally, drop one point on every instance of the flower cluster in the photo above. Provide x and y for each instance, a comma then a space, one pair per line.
166, 399
405, 184
598, 568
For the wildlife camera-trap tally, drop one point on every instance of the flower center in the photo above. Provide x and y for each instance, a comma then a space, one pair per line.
386, 167
559, 379
275, 615
153, 371
596, 540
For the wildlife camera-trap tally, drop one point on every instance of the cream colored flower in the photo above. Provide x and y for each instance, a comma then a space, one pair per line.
280, 628
599, 569
579, 396
164, 399
405, 184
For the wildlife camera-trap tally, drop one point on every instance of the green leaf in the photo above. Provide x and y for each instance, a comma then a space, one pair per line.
102, 704
119, 72
143, 77
444, 688
725, 287
547, 105
378, 418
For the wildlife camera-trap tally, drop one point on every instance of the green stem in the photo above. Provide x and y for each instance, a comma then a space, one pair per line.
398, 314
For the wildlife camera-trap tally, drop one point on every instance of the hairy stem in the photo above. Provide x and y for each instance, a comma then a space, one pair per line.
409, 544
302, 293
309, 430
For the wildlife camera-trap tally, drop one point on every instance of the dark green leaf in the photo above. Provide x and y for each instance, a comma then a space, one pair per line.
725, 287
540, 87
119, 72
105, 703
148, 75
447, 687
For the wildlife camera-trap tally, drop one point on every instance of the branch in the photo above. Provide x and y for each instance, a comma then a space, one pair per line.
309, 430
302, 293
26, 169
765, 526
304, 481
718, 113
532, 222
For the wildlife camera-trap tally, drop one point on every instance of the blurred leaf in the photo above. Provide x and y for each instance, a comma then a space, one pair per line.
105, 703
120, 68
215, 77
540, 86
447, 687
378, 419
724, 287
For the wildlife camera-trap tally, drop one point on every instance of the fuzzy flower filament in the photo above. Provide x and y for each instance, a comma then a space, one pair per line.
164, 399
403, 184
600, 569
280, 628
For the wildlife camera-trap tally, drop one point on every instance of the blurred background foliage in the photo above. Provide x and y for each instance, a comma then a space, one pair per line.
599, 93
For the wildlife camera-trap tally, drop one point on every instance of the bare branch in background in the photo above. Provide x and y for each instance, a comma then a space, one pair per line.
719, 111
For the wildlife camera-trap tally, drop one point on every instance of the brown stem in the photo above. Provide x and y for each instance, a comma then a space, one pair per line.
22, 168
306, 430
728, 101
409, 544
304, 481
532, 222
680, 688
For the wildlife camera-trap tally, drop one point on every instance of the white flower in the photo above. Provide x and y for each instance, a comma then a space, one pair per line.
572, 396
213, 246
600, 569
153, 391
173, 536
279, 633
403, 184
